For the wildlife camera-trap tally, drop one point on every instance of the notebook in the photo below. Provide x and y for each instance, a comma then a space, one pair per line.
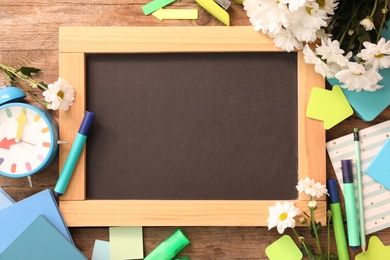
16, 218
5, 199
376, 196
41, 240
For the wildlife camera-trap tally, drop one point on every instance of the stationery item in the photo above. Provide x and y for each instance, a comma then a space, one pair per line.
223, 3
14, 219
126, 243
376, 250
379, 167
74, 154
329, 106
41, 240
5, 199
214, 9
359, 187
176, 14
376, 197
350, 204
170, 247
155, 5
338, 223
284, 248
101, 250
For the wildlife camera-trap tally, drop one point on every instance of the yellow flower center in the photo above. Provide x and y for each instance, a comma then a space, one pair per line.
321, 3
283, 216
308, 10
61, 94
380, 55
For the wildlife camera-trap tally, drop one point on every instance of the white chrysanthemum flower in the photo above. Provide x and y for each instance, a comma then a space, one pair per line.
312, 205
60, 94
356, 77
285, 40
282, 216
293, 5
312, 188
322, 35
332, 53
328, 5
310, 16
320, 66
267, 15
376, 55
368, 23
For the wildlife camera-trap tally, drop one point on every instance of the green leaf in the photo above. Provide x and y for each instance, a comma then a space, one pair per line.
28, 71
44, 84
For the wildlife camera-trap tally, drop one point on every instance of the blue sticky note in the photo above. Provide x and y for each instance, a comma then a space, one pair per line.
379, 169
368, 105
101, 250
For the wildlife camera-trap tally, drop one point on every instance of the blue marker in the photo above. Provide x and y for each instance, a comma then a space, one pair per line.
74, 154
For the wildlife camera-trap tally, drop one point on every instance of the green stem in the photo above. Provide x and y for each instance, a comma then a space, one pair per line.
43, 104
22, 76
383, 20
374, 9
314, 227
303, 242
328, 224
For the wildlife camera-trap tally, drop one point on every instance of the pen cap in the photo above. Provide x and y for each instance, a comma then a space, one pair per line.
332, 190
346, 169
86, 123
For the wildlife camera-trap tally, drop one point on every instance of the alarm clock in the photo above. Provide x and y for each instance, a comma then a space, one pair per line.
28, 135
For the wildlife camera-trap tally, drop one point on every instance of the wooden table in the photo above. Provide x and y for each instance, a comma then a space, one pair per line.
29, 37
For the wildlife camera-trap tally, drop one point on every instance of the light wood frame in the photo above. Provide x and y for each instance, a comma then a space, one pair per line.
76, 42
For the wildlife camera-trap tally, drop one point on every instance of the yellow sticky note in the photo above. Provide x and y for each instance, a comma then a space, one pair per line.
330, 106
126, 243
283, 248
214, 9
176, 14
376, 250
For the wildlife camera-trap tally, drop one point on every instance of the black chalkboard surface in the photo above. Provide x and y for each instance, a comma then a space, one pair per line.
192, 126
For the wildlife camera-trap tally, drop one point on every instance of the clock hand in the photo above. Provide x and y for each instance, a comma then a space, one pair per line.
22, 120
6, 143
28, 143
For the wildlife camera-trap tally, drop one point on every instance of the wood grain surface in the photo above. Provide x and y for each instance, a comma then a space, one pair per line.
29, 37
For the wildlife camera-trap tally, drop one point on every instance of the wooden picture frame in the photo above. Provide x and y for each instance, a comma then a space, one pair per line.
76, 42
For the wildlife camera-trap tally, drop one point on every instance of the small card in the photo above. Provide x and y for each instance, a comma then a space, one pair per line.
126, 243
101, 250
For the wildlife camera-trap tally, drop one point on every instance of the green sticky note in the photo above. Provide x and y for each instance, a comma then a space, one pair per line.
155, 5
376, 250
126, 243
283, 248
330, 106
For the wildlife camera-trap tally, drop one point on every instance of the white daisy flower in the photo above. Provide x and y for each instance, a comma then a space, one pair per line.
285, 40
312, 188
267, 15
328, 5
60, 94
356, 77
332, 53
376, 55
293, 5
368, 23
320, 66
310, 16
282, 216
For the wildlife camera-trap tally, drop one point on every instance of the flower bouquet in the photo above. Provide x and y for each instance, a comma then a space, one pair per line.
345, 36
283, 215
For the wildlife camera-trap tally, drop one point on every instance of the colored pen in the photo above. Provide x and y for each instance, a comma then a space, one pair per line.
74, 154
337, 219
170, 247
358, 165
350, 204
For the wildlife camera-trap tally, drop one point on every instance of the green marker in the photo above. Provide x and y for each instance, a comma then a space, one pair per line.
338, 223
350, 204
170, 247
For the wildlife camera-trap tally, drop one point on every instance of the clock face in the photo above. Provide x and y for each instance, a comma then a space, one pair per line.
26, 140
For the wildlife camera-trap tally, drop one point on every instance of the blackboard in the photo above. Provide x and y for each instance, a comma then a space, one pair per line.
193, 126
200, 126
